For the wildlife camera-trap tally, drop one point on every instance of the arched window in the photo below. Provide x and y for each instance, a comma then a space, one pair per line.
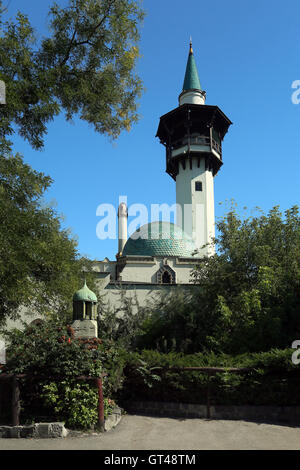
165, 275
166, 278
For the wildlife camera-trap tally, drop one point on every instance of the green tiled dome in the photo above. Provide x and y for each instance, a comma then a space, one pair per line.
159, 239
84, 294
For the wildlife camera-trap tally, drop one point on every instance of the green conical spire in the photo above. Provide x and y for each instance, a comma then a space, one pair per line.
191, 79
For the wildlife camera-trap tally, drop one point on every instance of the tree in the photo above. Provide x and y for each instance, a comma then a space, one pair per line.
39, 263
85, 68
255, 279
246, 297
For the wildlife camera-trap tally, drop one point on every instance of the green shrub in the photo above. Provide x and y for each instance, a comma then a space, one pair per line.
49, 349
113, 359
51, 359
109, 406
271, 378
75, 403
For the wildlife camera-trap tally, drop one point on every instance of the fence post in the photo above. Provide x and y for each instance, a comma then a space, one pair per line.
15, 402
100, 404
208, 395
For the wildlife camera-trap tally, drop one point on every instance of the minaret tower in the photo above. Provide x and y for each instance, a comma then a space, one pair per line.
192, 134
122, 218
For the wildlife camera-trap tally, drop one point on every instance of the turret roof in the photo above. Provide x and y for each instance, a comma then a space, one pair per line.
84, 294
191, 79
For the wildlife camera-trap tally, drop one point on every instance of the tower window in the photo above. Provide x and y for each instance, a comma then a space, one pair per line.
166, 278
198, 186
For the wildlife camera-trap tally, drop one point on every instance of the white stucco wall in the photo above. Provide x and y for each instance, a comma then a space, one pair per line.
192, 97
105, 266
139, 280
27, 316
141, 294
147, 272
197, 206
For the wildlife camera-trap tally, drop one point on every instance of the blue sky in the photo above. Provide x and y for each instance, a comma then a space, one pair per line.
247, 54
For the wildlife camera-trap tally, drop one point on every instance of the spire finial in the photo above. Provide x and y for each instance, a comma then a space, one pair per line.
191, 46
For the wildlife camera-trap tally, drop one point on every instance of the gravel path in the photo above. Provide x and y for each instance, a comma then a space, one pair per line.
150, 433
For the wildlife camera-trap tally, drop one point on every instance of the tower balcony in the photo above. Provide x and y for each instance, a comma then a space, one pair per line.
192, 148
193, 130
199, 143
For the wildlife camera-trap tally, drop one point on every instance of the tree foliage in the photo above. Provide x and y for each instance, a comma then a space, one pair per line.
39, 264
84, 68
245, 298
122, 323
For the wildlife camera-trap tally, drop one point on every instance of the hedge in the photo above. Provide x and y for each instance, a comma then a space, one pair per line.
271, 378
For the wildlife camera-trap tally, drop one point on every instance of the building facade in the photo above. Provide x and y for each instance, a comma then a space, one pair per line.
161, 255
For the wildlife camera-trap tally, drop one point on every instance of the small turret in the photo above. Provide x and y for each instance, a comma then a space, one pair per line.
84, 304
85, 313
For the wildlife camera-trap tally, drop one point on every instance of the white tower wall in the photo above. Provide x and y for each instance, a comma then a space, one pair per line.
192, 97
196, 207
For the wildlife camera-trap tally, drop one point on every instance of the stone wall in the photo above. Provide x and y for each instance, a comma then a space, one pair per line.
280, 414
113, 419
40, 430
52, 430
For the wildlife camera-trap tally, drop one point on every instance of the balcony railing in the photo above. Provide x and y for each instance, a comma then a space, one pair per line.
217, 147
197, 140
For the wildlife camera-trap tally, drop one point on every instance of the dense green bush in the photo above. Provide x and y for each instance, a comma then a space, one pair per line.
271, 378
52, 360
48, 349
246, 297
76, 403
